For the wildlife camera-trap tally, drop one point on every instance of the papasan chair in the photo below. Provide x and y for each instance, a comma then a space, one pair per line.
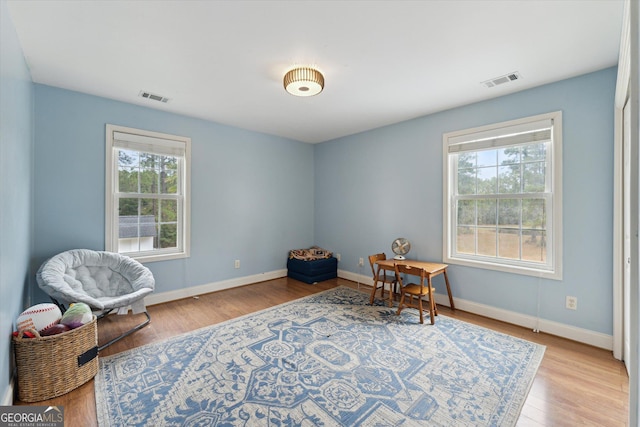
105, 281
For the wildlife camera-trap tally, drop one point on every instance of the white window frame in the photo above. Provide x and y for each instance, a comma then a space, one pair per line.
139, 139
486, 137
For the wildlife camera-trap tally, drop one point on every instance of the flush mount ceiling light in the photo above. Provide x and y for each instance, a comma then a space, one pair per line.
304, 81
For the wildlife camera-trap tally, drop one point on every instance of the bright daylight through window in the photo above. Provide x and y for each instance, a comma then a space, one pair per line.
502, 190
147, 194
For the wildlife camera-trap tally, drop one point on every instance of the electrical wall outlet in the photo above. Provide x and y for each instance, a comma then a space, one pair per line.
338, 257
237, 264
361, 262
572, 303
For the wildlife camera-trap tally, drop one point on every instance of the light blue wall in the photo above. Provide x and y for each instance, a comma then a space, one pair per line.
252, 194
375, 186
16, 116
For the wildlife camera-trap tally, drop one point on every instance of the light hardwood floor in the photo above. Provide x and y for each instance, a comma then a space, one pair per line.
576, 385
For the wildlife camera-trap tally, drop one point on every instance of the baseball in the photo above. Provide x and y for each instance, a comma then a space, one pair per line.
39, 317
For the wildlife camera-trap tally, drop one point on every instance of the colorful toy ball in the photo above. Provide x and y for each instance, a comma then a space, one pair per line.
77, 314
39, 317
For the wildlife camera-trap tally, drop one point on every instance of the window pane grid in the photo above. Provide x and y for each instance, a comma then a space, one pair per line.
154, 220
511, 228
140, 172
500, 197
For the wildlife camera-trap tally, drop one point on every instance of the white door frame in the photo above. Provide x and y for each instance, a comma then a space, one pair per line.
626, 236
621, 97
628, 90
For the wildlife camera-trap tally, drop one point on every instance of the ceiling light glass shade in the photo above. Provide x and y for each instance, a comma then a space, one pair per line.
304, 81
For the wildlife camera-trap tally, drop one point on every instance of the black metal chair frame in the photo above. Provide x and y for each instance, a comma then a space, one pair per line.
106, 313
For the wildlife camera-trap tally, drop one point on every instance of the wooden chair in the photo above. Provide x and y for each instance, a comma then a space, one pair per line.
381, 278
418, 291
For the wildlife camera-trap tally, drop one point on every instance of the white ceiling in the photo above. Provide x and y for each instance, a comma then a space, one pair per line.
383, 61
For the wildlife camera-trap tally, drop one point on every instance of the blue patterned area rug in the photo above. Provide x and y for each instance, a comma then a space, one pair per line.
329, 359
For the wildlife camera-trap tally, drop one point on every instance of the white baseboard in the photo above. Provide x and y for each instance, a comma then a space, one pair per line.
596, 339
158, 298
355, 277
7, 397
574, 333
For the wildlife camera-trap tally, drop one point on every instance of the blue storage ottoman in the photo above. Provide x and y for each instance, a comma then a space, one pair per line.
312, 265
312, 271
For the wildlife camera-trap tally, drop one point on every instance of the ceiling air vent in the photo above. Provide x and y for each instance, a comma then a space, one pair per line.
502, 79
153, 96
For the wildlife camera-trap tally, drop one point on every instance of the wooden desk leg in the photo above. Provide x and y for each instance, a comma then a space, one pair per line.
433, 311
446, 279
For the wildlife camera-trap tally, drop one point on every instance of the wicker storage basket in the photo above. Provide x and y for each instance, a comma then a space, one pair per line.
51, 366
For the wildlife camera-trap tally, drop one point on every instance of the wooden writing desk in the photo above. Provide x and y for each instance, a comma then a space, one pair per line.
431, 268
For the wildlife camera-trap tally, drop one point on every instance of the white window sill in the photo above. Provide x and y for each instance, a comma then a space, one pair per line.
527, 271
156, 257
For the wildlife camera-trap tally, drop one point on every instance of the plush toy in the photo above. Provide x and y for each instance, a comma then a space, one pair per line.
56, 329
24, 334
39, 317
77, 315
